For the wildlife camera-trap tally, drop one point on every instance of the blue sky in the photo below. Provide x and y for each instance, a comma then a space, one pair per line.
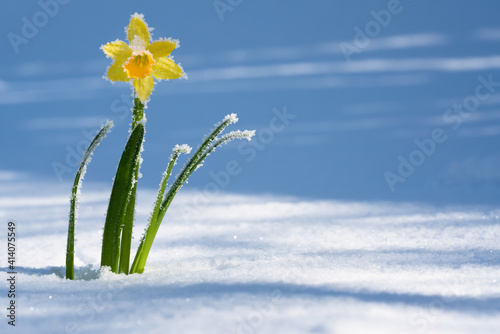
362, 82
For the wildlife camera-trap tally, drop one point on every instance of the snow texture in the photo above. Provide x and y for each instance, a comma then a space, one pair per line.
258, 264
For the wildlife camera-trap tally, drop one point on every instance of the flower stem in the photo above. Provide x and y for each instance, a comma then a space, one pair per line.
138, 112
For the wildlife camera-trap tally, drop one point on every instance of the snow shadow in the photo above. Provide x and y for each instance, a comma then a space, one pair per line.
280, 292
86, 273
211, 290
408, 257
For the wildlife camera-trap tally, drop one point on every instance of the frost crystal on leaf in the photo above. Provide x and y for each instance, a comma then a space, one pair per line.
178, 149
233, 118
184, 148
238, 134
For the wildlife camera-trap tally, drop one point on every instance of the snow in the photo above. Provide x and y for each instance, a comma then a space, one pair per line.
257, 264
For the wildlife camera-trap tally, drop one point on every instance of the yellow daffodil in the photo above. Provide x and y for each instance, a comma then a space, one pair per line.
140, 60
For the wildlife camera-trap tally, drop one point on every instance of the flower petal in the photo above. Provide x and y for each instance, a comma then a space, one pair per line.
165, 68
162, 48
117, 50
144, 87
138, 27
117, 73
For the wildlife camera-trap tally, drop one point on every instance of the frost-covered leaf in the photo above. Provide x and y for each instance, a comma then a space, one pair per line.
75, 198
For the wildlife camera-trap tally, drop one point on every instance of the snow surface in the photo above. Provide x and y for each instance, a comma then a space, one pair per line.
257, 264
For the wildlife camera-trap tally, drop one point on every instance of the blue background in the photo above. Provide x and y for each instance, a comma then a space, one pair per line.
353, 119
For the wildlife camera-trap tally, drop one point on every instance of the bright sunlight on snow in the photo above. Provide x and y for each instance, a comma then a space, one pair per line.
261, 264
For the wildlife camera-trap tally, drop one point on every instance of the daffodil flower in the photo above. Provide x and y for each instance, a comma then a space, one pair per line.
141, 60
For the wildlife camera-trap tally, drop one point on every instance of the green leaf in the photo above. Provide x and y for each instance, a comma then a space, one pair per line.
128, 224
121, 203
161, 206
75, 192
150, 233
194, 162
